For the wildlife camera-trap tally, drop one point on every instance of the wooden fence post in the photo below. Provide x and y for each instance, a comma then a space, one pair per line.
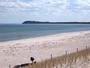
61, 65
77, 50
45, 64
86, 47
65, 57
9, 66
51, 56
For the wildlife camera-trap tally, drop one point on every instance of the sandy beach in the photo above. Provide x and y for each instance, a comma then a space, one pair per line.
19, 51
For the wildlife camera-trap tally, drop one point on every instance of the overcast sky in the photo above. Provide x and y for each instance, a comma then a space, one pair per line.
17, 11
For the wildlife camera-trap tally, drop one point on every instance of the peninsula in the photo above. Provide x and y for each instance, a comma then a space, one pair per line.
40, 22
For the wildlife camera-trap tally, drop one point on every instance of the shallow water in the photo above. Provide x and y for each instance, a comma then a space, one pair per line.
20, 31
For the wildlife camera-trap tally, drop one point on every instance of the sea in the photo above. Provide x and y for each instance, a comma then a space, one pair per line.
10, 32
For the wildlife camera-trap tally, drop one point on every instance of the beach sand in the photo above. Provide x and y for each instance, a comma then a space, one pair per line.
19, 51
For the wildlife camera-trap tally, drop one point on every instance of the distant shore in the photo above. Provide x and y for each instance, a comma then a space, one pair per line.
19, 51
43, 22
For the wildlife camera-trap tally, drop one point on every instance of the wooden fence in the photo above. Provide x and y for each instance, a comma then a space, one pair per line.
66, 59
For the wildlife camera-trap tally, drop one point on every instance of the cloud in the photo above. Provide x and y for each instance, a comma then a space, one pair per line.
84, 2
14, 5
47, 5
35, 3
47, 9
79, 4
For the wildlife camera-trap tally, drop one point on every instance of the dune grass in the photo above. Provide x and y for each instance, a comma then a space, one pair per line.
68, 59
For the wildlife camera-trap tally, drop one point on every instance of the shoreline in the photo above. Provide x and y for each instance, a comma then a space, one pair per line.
19, 51
48, 36
24, 38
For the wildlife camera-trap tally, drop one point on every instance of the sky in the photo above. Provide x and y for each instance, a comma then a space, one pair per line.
17, 11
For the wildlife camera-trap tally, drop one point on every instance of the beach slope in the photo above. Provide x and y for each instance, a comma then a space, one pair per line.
19, 51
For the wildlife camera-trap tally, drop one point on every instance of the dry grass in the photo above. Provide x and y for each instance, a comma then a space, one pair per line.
68, 58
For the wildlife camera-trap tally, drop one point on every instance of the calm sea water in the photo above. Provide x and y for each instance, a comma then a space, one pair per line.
13, 32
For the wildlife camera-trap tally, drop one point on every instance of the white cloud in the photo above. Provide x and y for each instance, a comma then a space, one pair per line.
35, 3
84, 2
55, 10
14, 4
47, 4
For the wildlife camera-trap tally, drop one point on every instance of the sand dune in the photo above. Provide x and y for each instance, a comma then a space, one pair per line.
19, 51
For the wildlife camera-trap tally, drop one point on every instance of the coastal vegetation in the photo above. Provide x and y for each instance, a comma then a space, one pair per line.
42, 22
68, 60
65, 50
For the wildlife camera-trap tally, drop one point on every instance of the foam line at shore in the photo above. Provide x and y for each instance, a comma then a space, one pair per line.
49, 37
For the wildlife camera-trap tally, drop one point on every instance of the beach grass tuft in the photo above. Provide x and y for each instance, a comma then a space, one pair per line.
66, 59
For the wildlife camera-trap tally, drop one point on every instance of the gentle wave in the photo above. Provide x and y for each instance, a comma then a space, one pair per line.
13, 32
